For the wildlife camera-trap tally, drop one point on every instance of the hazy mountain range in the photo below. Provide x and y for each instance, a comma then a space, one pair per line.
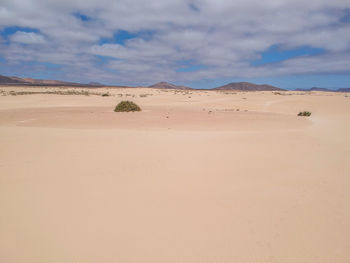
325, 89
239, 86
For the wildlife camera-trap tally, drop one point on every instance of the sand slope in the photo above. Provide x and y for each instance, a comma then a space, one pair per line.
189, 179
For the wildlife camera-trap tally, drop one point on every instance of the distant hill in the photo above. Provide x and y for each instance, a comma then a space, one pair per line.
314, 89
343, 90
246, 86
93, 83
325, 89
166, 85
5, 80
9, 80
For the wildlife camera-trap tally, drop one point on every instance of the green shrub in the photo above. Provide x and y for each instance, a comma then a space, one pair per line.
304, 113
106, 94
145, 95
126, 106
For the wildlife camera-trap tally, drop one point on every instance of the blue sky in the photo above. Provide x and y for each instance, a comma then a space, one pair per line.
199, 43
274, 54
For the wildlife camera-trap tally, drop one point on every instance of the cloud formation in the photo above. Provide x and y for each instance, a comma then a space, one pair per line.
27, 38
169, 38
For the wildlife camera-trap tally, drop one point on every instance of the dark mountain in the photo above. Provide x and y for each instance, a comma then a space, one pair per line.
246, 86
166, 85
314, 89
9, 80
319, 89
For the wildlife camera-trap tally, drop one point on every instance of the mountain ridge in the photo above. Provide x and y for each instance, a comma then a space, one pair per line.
325, 89
237, 86
247, 86
12, 80
166, 85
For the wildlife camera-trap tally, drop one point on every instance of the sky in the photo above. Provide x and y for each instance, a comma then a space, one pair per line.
198, 43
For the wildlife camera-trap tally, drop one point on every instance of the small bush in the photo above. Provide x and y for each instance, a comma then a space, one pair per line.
145, 95
126, 106
106, 94
304, 113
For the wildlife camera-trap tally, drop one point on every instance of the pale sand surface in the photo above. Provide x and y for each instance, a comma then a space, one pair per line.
80, 183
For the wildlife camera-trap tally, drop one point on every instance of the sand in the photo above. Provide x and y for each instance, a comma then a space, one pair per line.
188, 179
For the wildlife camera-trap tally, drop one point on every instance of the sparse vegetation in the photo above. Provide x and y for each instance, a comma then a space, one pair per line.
281, 93
127, 106
304, 113
145, 95
106, 94
54, 92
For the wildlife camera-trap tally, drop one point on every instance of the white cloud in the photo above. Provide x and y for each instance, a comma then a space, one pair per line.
224, 36
27, 38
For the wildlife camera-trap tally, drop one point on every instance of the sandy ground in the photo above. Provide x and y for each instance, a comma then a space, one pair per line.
188, 179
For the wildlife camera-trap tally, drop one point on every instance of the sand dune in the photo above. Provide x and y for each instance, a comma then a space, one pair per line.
188, 179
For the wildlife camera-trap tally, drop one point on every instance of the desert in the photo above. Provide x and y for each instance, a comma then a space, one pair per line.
196, 176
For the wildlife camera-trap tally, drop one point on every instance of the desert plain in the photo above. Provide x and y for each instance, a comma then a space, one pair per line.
196, 176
